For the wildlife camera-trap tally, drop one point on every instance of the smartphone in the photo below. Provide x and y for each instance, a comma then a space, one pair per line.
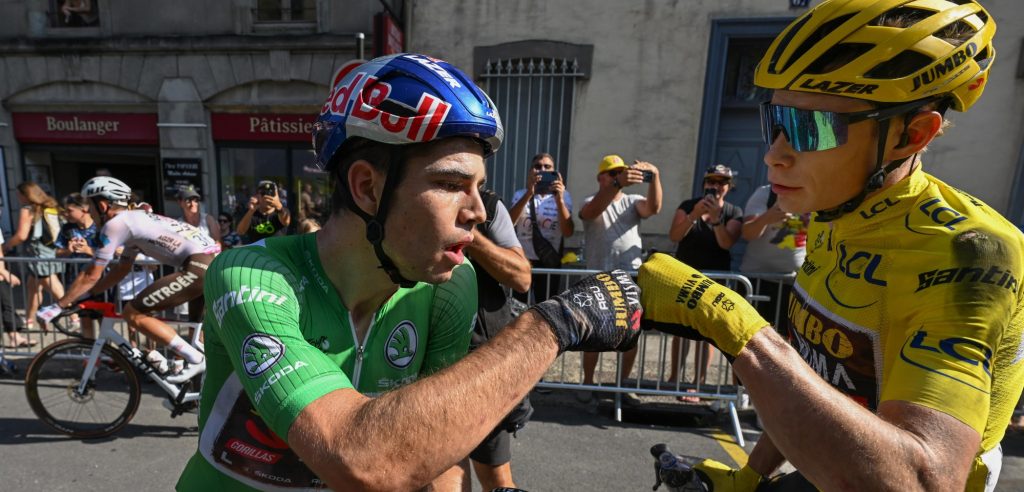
546, 179
772, 197
268, 189
710, 191
648, 175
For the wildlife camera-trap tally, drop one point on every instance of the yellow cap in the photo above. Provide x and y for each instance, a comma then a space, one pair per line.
610, 162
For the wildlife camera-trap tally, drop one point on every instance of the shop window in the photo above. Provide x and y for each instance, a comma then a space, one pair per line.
276, 11
303, 188
74, 13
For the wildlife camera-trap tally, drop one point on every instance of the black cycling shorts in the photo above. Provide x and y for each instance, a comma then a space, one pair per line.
496, 449
177, 288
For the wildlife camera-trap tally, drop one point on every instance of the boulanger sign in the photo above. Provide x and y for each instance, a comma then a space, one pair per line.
98, 128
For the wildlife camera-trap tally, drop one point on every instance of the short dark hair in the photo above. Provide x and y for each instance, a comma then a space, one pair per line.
541, 155
75, 199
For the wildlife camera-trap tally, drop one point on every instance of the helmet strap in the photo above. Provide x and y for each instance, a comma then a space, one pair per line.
375, 223
875, 180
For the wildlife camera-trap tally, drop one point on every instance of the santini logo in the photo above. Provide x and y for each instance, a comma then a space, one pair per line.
242, 295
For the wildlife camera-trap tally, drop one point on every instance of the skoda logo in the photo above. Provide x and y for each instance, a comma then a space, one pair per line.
260, 352
401, 345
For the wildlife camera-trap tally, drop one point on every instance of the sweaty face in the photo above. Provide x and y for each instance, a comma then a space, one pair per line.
819, 180
434, 209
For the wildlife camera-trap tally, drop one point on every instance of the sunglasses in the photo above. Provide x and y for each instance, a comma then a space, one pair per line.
810, 130
614, 172
721, 182
191, 199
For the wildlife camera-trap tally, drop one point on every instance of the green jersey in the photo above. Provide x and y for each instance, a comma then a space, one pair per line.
278, 337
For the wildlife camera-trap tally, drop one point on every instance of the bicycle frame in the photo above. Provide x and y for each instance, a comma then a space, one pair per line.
107, 334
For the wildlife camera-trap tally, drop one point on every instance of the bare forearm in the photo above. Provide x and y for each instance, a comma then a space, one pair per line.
243, 223
595, 207
754, 228
428, 426
517, 209
508, 266
653, 198
724, 239
112, 277
81, 285
565, 222
818, 429
681, 226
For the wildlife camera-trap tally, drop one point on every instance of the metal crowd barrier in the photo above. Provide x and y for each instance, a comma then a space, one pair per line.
653, 354
653, 350
44, 336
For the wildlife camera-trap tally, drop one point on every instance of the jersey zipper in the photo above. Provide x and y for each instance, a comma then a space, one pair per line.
360, 347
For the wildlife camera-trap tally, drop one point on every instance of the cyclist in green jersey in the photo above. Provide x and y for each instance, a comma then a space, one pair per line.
907, 309
319, 346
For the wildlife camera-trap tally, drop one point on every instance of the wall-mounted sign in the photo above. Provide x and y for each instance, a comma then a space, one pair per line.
263, 127
388, 38
96, 128
181, 173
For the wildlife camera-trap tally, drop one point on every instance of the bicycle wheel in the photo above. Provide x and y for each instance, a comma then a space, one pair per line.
108, 403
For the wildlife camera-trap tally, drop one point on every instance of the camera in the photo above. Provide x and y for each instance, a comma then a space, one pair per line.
547, 178
710, 191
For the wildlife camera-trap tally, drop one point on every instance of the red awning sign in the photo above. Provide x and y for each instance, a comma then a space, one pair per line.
95, 128
263, 127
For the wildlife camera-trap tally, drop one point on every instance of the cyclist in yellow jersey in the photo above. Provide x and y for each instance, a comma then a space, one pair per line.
906, 314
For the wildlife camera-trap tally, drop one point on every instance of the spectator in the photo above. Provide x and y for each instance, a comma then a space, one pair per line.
193, 214
776, 243
611, 225
307, 204
705, 228
11, 322
266, 216
229, 238
79, 234
552, 204
38, 227
499, 261
79, 13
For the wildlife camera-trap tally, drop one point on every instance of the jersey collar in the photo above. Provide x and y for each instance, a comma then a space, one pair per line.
894, 201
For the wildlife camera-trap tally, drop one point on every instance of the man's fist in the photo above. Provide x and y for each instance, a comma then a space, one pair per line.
599, 313
682, 301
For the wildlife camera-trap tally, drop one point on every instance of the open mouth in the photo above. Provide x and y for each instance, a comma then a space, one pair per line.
454, 251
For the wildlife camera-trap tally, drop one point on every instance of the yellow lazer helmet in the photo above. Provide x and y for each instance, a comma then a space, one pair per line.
849, 48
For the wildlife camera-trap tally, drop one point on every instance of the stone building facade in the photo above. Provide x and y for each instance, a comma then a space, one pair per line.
214, 94
671, 82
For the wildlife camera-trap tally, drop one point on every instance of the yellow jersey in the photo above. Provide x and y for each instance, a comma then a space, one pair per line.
916, 297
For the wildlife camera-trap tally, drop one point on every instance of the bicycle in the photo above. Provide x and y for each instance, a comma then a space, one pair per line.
77, 386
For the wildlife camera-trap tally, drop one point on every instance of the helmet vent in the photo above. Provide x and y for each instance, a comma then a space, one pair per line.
785, 41
956, 33
899, 66
837, 56
902, 17
815, 37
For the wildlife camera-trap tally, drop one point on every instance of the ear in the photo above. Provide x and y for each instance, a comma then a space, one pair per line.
921, 129
365, 184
